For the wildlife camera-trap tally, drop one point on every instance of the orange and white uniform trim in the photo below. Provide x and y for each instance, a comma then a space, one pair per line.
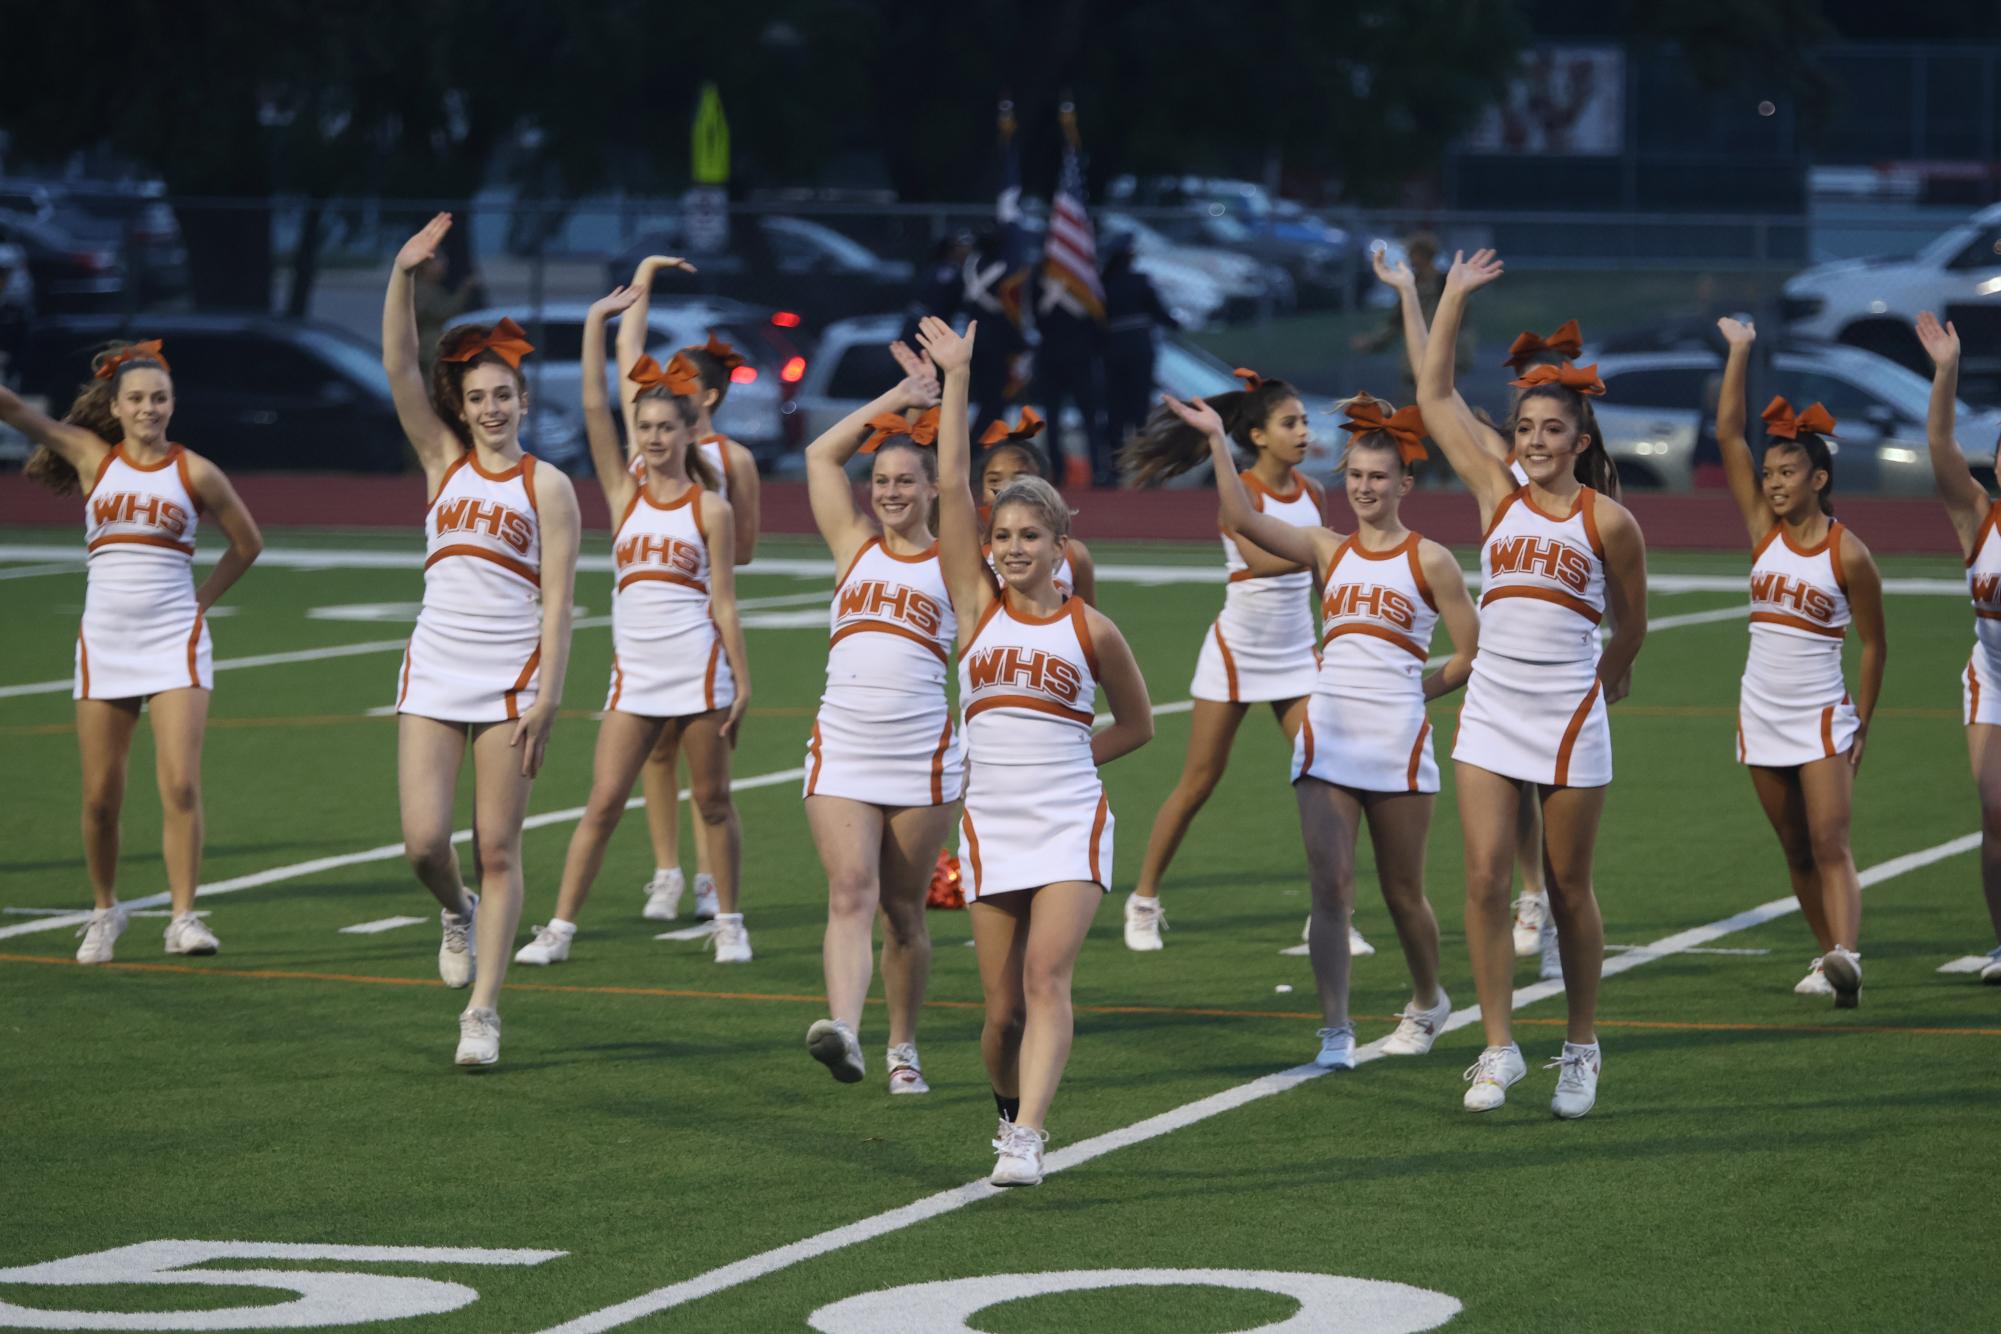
1261, 644
142, 631
1036, 812
884, 733
1534, 708
1365, 723
667, 654
1792, 706
1980, 683
476, 654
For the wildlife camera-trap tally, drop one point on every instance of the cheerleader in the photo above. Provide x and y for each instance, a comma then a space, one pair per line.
1365, 745
144, 638
492, 643
678, 663
1260, 649
1534, 933
1797, 730
1037, 828
1974, 516
884, 766
1557, 558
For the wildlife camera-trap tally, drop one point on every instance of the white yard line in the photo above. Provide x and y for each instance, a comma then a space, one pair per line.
379, 925
784, 1257
36, 571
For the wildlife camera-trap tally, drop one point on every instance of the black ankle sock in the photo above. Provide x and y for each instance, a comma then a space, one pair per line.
1009, 1108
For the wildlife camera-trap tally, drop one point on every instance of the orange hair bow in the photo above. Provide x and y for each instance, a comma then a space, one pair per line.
723, 352
1252, 380
1567, 342
1405, 426
1577, 379
678, 378
1780, 422
146, 351
923, 431
506, 340
1027, 428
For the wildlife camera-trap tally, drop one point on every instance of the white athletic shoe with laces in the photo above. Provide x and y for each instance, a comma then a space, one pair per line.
904, 1074
479, 1037
1492, 1075
1145, 920
551, 945
1843, 970
188, 934
1418, 1028
1577, 1084
834, 1045
457, 952
1019, 1161
1531, 911
1358, 948
100, 933
663, 896
1337, 1049
1550, 968
1815, 982
1992, 972
731, 940
707, 907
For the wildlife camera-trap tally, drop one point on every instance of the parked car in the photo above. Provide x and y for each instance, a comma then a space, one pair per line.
750, 414
779, 261
132, 218
1325, 260
255, 393
1653, 410
69, 273
1249, 287
1871, 303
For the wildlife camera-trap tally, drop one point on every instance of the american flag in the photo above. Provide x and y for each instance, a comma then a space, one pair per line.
1070, 255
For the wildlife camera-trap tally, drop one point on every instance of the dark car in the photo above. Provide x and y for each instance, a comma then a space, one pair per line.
132, 219
69, 273
255, 393
774, 260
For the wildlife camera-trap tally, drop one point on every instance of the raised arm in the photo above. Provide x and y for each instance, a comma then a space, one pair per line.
718, 526
1416, 338
607, 457
1293, 546
1865, 608
1125, 692
219, 500
632, 327
828, 489
958, 516
746, 499
82, 449
1455, 608
436, 445
1739, 468
1444, 417
1625, 597
556, 507
1966, 500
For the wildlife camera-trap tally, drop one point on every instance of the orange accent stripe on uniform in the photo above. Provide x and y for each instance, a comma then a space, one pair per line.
1986, 615
1403, 642
866, 546
1097, 832
813, 749
1417, 755
1827, 730
1741, 752
139, 540
1570, 733
112, 458
83, 661
938, 762
1972, 689
194, 643
1030, 702
508, 563
1565, 600
617, 681
520, 682
1799, 623
1306, 746
662, 576
1229, 661
709, 676
937, 650
972, 851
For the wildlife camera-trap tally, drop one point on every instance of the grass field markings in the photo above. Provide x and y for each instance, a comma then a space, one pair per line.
765, 1263
379, 925
702, 932
1627, 949
1971, 963
36, 571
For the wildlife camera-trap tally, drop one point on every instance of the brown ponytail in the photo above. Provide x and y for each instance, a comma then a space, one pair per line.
91, 410
1168, 446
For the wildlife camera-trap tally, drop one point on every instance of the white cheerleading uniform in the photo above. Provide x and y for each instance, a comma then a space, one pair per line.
1261, 645
142, 631
1793, 707
476, 654
1036, 813
1365, 723
1980, 684
1535, 709
716, 449
883, 733
667, 654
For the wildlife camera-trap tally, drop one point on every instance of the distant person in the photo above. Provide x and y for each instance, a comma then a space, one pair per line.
966, 280
1070, 369
1421, 277
438, 303
1133, 314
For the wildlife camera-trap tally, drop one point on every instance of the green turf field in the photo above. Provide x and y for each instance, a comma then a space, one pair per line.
1756, 1161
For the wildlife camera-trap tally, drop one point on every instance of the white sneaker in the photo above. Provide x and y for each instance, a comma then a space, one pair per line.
1815, 982
1577, 1085
1337, 1049
663, 896
1417, 1029
457, 952
1531, 911
1843, 970
904, 1074
706, 906
1358, 948
1550, 969
551, 945
834, 1045
1306, 932
1020, 1156
100, 933
188, 934
731, 940
1145, 920
1990, 974
479, 1037
1498, 1069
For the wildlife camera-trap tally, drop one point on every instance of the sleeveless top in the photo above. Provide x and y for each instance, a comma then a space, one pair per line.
1377, 615
662, 560
1275, 599
483, 549
1028, 686
1983, 581
1799, 611
891, 625
139, 525
1542, 580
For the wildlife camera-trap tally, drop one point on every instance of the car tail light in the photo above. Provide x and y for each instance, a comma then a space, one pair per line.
97, 261
794, 370
744, 375
785, 319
